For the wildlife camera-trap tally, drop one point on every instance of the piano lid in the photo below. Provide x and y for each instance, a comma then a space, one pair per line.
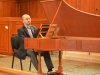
72, 22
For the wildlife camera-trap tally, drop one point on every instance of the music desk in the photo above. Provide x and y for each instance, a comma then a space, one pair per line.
61, 44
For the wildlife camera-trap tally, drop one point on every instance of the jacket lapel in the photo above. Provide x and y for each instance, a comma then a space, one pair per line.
32, 29
25, 31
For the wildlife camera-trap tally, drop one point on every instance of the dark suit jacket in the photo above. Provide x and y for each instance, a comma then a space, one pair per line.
22, 33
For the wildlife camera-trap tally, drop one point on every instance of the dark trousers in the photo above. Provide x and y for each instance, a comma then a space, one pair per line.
45, 54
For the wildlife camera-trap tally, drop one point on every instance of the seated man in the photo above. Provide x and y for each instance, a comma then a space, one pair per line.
30, 31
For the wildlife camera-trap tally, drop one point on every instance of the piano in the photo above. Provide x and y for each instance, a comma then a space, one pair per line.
79, 31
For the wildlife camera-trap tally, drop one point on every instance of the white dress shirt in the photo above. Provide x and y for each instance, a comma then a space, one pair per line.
29, 30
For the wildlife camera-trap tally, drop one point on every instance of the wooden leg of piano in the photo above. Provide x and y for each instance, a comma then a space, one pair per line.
39, 63
60, 68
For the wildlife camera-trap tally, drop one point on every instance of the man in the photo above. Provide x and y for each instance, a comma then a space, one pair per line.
27, 30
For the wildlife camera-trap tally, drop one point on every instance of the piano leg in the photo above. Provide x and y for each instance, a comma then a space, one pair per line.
60, 68
39, 63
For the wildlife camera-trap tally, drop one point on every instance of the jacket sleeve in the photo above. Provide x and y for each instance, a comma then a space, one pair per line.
21, 39
20, 33
36, 31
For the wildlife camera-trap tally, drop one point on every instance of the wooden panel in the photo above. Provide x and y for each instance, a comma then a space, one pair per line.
91, 45
68, 44
16, 25
32, 7
49, 44
40, 11
29, 46
35, 9
4, 34
24, 7
9, 8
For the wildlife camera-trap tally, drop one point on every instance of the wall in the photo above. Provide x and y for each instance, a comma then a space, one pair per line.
32, 7
16, 8
10, 11
9, 8
9, 26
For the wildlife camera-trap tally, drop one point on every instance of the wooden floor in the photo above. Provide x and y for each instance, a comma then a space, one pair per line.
69, 66
6, 71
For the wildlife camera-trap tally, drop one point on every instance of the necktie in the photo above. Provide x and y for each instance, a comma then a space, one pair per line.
29, 31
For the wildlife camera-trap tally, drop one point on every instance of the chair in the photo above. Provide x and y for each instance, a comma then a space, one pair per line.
15, 43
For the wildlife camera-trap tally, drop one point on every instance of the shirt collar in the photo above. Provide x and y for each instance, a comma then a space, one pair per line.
27, 26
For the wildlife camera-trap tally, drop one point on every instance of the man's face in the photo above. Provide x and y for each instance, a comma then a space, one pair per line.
27, 20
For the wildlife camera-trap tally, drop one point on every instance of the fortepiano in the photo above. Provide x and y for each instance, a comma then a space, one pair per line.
79, 31
64, 44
